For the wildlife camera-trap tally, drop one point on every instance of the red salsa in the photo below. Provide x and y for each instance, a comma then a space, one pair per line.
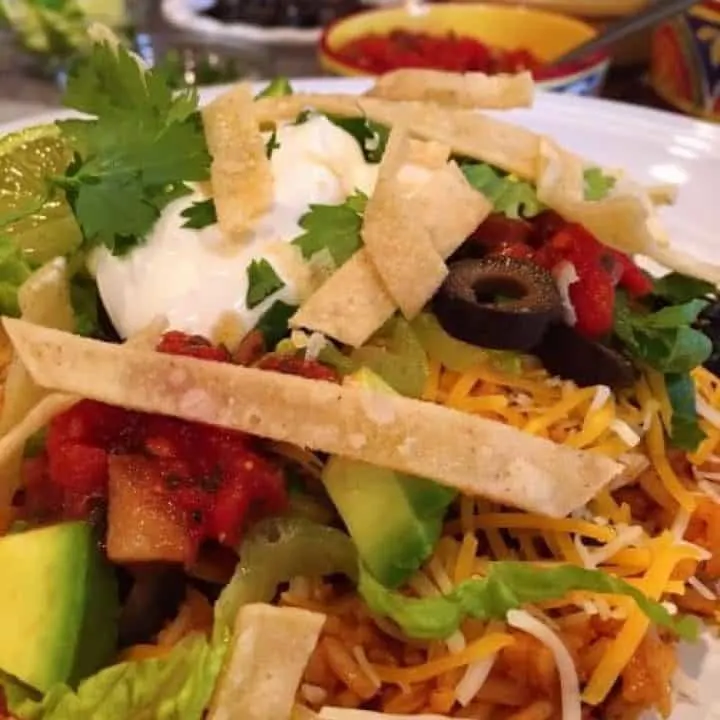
377, 54
209, 479
549, 241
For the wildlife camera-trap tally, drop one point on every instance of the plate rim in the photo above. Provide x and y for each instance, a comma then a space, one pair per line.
580, 107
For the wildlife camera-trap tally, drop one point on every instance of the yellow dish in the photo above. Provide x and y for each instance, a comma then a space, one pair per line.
545, 34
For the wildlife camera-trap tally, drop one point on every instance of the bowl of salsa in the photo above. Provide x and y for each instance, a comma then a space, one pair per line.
464, 38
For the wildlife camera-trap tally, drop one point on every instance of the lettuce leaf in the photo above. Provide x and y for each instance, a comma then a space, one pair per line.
508, 585
275, 551
511, 197
597, 184
14, 271
178, 685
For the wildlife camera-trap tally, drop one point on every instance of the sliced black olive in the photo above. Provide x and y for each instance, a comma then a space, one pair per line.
154, 598
567, 354
498, 302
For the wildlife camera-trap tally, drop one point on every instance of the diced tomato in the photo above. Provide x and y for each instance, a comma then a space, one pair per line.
593, 295
497, 229
456, 53
632, 278
178, 343
292, 365
208, 478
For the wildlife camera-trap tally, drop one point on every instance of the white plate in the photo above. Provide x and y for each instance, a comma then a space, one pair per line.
654, 147
187, 15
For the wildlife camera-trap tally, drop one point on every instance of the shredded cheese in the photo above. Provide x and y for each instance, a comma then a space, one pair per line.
531, 521
569, 683
701, 589
476, 673
623, 647
477, 650
466, 557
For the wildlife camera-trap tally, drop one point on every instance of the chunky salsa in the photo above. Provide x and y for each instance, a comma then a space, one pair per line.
205, 479
549, 241
378, 54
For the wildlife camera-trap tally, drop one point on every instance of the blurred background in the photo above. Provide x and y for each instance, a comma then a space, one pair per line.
675, 66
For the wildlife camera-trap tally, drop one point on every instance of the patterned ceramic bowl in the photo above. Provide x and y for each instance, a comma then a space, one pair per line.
685, 66
546, 34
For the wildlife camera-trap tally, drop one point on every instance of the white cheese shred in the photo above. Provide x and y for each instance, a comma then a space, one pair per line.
625, 432
701, 589
474, 678
707, 411
602, 395
364, 664
569, 683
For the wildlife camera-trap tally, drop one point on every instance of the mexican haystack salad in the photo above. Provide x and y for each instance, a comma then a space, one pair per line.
344, 407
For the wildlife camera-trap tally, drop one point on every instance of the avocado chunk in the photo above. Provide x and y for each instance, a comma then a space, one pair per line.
394, 519
58, 606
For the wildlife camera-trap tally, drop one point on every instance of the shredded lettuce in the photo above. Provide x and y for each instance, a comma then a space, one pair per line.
509, 196
508, 585
275, 551
396, 355
457, 355
14, 271
178, 685
597, 184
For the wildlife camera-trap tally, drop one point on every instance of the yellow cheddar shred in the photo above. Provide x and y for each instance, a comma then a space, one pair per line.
477, 650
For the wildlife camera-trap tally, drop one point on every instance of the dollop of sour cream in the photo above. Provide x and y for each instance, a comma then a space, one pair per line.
197, 279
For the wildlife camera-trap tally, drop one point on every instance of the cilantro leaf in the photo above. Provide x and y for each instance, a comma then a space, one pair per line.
507, 586
279, 87
371, 136
302, 117
263, 282
685, 431
200, 214
135, 157
85, 299
333, 227
273, 324
677, 288
663, 340
597, 184
513, 198
272, 144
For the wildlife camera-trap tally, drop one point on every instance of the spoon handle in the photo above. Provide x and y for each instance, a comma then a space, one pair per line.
655, 12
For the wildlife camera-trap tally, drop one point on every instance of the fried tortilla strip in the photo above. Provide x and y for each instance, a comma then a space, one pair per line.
625, 220
48, 406
350, 305
273, 110
270, 648
463, 90
242, 182
663, 194
468, 133
469, 453
398, 244
353, 303
339, 713
44, 299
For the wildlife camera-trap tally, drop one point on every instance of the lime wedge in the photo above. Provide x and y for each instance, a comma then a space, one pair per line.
27, 158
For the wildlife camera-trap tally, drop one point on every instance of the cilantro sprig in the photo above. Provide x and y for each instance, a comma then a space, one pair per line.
335, 228
137, 153
666, 342
200, 214
263, 282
